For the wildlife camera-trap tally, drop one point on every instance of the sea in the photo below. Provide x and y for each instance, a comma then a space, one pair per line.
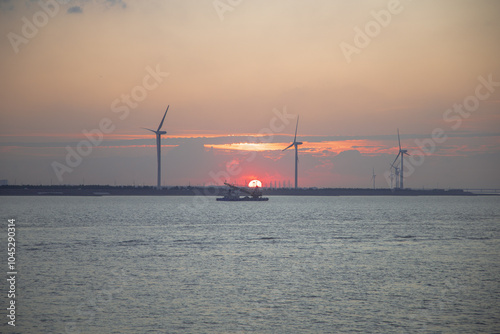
377, 264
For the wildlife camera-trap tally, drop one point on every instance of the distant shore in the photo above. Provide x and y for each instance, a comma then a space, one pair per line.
99, 190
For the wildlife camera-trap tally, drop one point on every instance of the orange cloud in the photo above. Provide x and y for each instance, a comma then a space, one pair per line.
322, 148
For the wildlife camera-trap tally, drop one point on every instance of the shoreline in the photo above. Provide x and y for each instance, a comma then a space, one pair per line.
97, 190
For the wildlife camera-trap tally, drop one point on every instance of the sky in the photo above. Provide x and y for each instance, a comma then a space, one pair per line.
81, 79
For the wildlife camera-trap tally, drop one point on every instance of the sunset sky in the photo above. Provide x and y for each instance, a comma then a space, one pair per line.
236, 74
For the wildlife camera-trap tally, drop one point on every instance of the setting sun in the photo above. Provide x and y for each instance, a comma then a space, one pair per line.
255, 183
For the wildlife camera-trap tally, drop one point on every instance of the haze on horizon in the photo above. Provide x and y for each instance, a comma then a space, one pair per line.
229, 69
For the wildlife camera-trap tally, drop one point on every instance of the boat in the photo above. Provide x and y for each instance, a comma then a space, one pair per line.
234, 194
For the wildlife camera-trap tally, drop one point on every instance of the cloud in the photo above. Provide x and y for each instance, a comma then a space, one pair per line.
75, 10
9, 5
116, 2
6, 5
106, 3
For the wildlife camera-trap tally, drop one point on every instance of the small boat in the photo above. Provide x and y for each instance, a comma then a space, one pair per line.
234, 194
241, 199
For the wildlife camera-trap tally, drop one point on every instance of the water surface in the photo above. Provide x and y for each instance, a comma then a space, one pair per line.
290, 265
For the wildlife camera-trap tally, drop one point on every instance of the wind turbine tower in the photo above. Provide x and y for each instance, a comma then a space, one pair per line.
395, 176
158, 147
400, 153
296, 144
392, 179
373, 177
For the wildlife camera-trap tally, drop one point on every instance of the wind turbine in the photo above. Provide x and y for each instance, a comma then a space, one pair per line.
296, 144
392, 179
400, 153
158, 146
394, 176
373, 177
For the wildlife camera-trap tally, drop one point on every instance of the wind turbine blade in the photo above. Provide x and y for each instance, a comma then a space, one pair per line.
163, 118
296, 126
288, 147
150, 130
399, 141
396, 159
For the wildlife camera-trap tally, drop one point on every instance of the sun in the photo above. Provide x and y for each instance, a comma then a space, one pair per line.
255, 183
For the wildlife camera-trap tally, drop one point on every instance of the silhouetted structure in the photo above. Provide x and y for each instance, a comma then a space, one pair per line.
400, 153
158, 147
296, 144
